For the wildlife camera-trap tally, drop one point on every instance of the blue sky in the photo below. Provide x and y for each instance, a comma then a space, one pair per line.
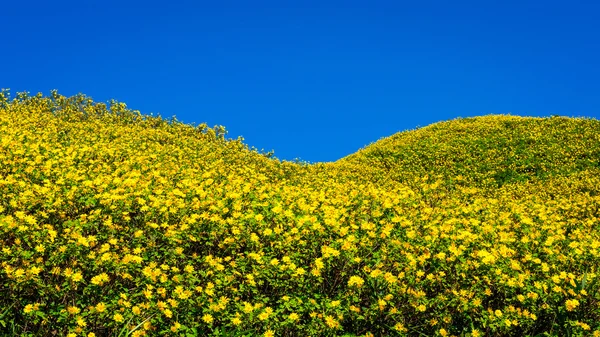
314, 80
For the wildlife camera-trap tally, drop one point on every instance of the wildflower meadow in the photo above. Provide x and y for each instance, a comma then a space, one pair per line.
114, 223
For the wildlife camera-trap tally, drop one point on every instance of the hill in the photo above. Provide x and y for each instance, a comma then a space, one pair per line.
114, 223
486, 151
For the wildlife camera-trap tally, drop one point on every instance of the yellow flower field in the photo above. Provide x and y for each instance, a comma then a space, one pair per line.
113, 223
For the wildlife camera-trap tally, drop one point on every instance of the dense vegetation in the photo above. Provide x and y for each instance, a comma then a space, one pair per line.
113, 223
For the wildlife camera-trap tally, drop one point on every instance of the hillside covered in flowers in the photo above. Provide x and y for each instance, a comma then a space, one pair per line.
114, 223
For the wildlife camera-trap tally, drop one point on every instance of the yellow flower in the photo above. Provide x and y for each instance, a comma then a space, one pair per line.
571, 304
77, 277
207, 318
28, 308
248, 308
375, 273
100, 279
293, 316
269, 333
100, 307
147, 325
118, 318
355, 281
35, 270
443, 332
73, 310
175, 327
263, 316
91, 334
399, 327
236, 321
331, 322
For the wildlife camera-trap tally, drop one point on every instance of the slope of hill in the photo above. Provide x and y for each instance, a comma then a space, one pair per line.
113, 224
489, 151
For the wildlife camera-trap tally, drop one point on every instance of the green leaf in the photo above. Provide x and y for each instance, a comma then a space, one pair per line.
583, 282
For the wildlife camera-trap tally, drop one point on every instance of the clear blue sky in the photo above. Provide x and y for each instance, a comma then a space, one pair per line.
314, 80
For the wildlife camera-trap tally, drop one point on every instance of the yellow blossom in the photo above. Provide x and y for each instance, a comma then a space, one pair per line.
175, 327
571, 304
355, 281
207, 318
73, 310
136, 310
77, 277
28, 308
118, 317
331, 322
